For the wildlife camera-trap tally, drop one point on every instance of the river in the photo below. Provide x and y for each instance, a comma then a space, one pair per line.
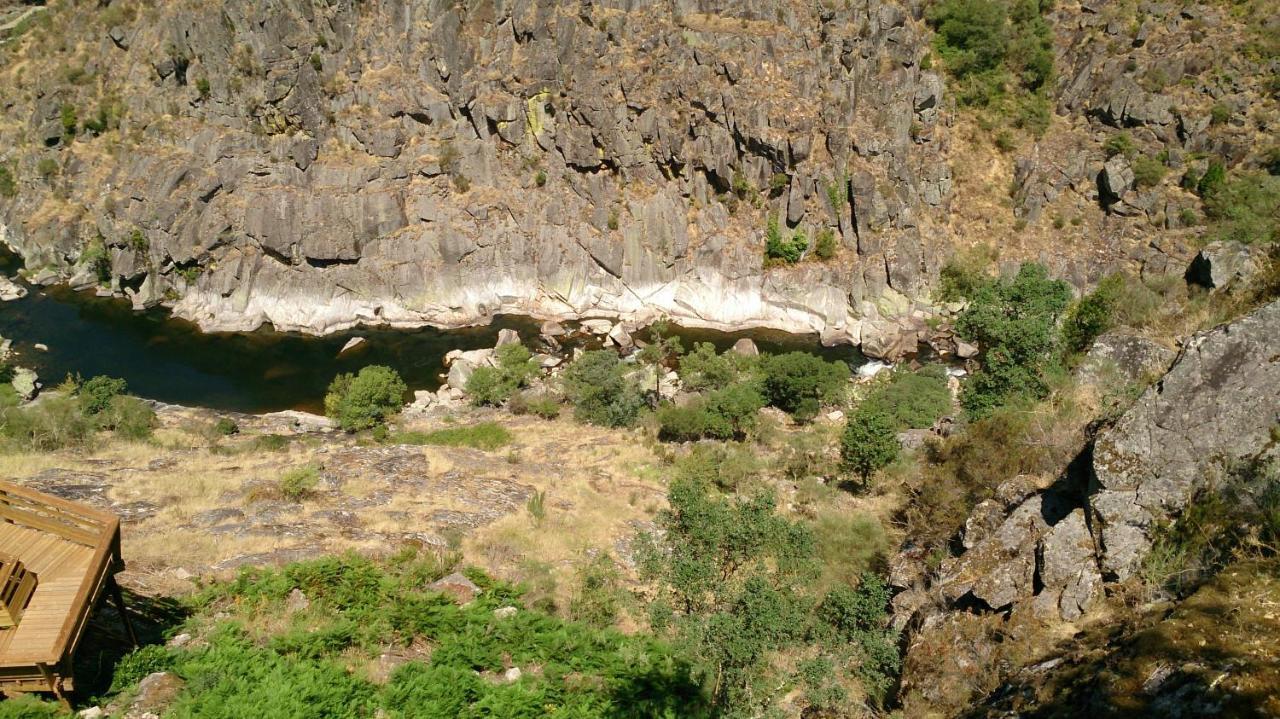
171, 360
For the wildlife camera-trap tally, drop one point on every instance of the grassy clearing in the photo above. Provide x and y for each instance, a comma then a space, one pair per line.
486, 436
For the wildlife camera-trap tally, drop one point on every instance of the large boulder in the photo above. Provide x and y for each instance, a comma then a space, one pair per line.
10, 290
1220, 265
1217, 405
1124, 355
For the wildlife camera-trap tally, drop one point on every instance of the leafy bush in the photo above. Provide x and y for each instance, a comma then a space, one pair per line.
1120, 143
138, 664
535, 403
859, 616
704, 369
799, 383
913, 399
128, 417
729, 413
601, 392
1092, 315
298, 483
69, 120
26, 706
365, 399
850, 544
487, 436
869, 442
1246, 209
824, 247
492, 386
599, 593
8, 184
226, 427
96, 393
1213, 179
54, 423
993, 47
96, 258
783, 249
965, 272
1148, 171
725, 466
1014, 322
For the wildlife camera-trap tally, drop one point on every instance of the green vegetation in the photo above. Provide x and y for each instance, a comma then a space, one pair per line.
47, 168
824, 247
800, 383
72, 416
1148, 171
202, 87
487, 436
1014, 322
366, 399
96, 258
729, 413
1120, 143
535, 403
780, 249
69, 121
298, 483
964, 273
912, 400
1240, 518
1000, 53
493, 386
704, 369
736, 593
8, 183
256, 657
728, 467
869, 442
1245, 208
226, 427
601, 391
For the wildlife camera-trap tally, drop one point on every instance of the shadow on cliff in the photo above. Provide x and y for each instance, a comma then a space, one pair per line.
1215, 655
106, 641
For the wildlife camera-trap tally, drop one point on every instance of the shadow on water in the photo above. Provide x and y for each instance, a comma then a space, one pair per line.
171, 360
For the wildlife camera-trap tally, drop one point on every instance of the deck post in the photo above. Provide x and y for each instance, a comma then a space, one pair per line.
118, 597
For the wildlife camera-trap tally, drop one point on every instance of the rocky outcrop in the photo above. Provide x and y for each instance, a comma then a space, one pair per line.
1125, 356
1218, 404
1222, 265
417, 162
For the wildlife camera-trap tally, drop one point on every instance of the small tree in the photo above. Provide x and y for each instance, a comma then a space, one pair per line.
97, 392
492, 386
799, 383
662, 348
601, 392
869, 443
366, 399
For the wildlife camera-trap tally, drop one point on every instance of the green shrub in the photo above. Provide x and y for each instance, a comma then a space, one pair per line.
850, 544
535, 403
1120, 143
202, 87
69, 120
781, 249
725, 466
1219, 114
226, 427
913, 399
47, 168
138, 241
1094, 314
298, 483
487, 436
54, 423
269, 443
1212, 180
859, 616
1148, 171
96, 393
824, 247
799, 383
704, 369
729, 413
600, 391
869, 442
8, 183
1014, 322
366, 399
1246, 209
96, 258
26, 706
128, 417
994, 47
965, 272
598, 595
513, 367
138, 664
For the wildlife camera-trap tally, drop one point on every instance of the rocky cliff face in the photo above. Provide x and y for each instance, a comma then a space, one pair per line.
320, 165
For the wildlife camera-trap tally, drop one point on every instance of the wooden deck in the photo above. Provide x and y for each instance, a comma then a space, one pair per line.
73, 550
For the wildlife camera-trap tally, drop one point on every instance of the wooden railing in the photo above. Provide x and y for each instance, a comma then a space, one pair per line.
73, 522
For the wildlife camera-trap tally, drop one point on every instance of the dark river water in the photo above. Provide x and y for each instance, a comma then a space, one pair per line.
171, 360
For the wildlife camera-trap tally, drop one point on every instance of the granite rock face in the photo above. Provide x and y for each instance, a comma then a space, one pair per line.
416, 162
1217, 404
